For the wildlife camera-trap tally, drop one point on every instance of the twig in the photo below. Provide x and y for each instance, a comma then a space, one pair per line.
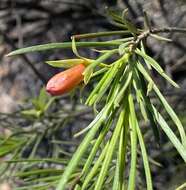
168, 29
147, 32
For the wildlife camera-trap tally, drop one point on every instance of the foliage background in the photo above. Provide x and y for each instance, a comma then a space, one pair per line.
29, 22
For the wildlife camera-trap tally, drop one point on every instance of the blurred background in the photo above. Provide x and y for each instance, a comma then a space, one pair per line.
29, 22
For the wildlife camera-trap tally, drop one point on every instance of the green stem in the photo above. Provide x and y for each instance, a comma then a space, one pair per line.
99, 34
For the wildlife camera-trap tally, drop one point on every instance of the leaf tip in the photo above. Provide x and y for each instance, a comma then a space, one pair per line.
9, 54
48, 62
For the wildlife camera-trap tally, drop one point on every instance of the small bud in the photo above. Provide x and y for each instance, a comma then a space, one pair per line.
65, 81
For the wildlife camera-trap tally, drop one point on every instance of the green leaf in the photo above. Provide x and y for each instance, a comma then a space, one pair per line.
130, 26
10, 144
6, 149
115, 184
161, 38
99, 34
48, 160
93, 126
101, 116
181, 187
31, 113
157, 67
149, 88
165, 104
140, 99
62, 45
115, 72
106, 80
40, 103
74, 48
95, 168
43, 98
148, 107
122, 48
92, 97
173, 115
89, 70
123, 89
133, 138
45, 179
114, 15
143, 50
145, 158
65, 63
95, 148
43, 186
100, 71
88, 74
108, 157
115, 87
48, 104
39, 172
172, 137
122, 155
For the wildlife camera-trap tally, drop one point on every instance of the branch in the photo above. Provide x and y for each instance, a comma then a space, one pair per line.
168, 29
146, 33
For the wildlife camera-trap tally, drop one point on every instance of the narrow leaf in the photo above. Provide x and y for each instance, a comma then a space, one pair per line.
161, 38
65, 63
62, 45
145, 158
96, 146
166, 105
111, 147
77, 157
172, 137
99, 34
133, 138
157, 67
95, 168
89, 70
